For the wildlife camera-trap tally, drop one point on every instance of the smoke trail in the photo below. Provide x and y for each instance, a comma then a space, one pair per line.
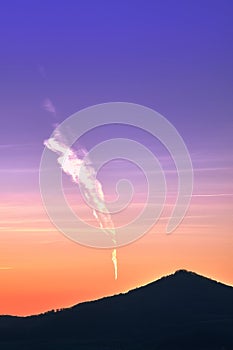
72, 165
114, 260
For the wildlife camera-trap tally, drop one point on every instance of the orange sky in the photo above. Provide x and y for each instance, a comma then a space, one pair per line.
40, 269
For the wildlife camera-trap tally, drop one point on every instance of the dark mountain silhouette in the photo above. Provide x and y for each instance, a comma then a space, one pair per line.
181, 311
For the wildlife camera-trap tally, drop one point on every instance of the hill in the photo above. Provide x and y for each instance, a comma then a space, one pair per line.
180, 311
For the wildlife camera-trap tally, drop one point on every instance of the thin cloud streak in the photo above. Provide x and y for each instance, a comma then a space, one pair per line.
49, 106
213, 195
19, 170
15, 145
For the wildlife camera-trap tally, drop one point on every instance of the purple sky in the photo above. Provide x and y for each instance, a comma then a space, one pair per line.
175, 57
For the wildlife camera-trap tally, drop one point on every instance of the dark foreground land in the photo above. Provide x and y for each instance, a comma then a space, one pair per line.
181, 311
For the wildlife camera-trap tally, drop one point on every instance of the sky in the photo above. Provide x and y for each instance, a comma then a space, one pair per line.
58, 58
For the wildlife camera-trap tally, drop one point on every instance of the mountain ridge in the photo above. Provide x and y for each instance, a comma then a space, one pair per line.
160, 279
182, 310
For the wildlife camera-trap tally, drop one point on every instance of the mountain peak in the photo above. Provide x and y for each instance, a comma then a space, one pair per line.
183, 271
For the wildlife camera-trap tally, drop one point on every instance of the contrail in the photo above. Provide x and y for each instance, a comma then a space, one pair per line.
72, 164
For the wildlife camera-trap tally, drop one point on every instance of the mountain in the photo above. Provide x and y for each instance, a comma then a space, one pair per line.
180, 311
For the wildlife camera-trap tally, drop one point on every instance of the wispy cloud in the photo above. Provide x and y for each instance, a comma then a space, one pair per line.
49, 106
19, 170
52, 241
213, 195
6, 268
15, 146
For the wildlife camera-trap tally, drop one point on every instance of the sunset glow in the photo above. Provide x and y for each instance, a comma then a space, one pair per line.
154, 58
